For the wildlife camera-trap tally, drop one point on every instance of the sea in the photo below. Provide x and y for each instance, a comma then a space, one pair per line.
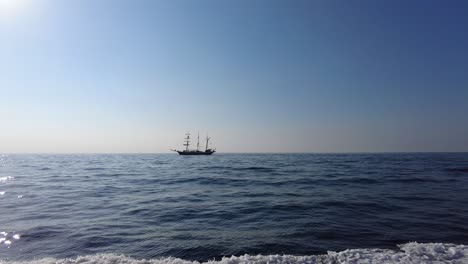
234, 208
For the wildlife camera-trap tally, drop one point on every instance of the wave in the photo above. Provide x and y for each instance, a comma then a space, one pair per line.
255, 168
408, 253
462, 170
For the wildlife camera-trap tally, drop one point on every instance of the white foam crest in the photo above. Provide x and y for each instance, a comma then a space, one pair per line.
410, 253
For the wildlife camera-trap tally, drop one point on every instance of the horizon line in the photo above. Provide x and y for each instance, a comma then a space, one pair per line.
279, 152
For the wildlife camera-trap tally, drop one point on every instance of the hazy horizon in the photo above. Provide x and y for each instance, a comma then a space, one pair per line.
257, 76
247, 153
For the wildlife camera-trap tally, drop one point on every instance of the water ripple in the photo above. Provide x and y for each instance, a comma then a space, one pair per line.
149, 206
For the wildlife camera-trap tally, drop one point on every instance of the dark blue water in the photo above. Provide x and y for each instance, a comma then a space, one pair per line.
205, 207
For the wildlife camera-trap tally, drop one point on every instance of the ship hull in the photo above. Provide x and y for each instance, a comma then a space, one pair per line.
195, 153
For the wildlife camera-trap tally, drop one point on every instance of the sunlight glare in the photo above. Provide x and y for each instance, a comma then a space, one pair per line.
9, 8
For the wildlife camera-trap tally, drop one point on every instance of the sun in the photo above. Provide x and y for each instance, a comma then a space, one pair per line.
11, 7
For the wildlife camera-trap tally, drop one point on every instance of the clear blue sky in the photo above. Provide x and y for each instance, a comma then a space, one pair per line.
258, 76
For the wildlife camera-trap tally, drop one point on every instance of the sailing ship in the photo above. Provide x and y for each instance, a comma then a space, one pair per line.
187, 151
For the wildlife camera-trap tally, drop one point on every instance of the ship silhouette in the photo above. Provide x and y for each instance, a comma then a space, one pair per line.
187, 151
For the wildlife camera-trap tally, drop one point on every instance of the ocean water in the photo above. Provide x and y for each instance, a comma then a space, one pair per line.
234, 208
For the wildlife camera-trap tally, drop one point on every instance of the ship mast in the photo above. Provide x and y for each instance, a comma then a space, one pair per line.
187, 141
206, 146
198, 141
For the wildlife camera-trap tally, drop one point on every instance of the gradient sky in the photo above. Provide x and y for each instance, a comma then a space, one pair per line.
257, 75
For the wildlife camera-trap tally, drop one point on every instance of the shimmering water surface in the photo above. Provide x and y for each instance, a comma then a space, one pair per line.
205, 207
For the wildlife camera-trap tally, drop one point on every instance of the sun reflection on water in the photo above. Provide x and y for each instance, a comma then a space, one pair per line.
6, 239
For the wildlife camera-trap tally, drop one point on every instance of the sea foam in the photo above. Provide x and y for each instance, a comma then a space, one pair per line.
409, 253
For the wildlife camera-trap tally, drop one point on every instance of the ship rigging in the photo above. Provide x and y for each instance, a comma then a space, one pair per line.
187, 151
